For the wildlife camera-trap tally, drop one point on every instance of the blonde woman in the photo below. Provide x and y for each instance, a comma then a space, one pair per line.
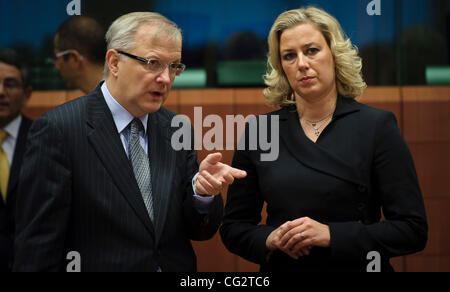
340, 163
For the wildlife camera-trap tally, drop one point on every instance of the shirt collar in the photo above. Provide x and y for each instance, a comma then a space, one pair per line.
122, 117
13, 127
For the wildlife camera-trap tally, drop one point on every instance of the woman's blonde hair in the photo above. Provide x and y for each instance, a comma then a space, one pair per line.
348, 64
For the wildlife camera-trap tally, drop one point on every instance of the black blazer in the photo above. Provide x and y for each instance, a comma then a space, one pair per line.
359, 165
7, 210
78, 193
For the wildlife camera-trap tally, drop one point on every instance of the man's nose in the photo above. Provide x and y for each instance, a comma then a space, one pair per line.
164, 76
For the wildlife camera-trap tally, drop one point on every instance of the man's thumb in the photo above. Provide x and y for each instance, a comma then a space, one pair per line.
214, 158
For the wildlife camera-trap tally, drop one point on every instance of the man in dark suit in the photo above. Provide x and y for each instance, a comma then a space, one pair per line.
102, 182
15, 90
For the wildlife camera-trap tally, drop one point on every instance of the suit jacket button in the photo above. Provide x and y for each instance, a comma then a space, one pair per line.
361, 206
205, 221
362, 189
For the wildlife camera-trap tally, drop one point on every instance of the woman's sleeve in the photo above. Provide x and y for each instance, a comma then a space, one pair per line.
240, 231
394, 182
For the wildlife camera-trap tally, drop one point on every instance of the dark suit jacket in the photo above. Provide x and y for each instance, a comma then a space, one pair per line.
78, 193
7, 210
359, 165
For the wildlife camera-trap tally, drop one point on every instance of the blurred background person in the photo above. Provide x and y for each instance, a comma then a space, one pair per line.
15, 91
341, 163
79, 52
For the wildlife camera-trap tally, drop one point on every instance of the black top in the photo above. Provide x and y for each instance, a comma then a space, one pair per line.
359, 165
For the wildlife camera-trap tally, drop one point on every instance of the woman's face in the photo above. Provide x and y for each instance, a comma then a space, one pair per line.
308, 62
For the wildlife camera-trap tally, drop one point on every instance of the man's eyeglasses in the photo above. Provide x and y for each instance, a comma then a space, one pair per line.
11, 84
52, 60
155, 66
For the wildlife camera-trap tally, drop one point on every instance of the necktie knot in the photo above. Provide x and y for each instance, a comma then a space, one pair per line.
3, 136
136, 126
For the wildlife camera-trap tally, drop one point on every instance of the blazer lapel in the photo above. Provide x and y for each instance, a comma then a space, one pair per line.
105, 139
162, 166
312, 154
19, 152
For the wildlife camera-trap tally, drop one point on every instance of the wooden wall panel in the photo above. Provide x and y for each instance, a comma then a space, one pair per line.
74, 94
47, 98
399, 264
436, 256
432, 161
428, 118
427, 131
35, 111
212, 255
385, 98
173, 101
418, 263
432, 165
43, 101
211, 102
250, 101
438, 216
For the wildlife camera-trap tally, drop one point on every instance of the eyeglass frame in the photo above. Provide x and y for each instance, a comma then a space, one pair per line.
163, 67
53, 60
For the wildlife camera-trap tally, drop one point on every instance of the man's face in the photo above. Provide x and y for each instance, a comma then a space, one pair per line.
65, 66
13, 96
142, 91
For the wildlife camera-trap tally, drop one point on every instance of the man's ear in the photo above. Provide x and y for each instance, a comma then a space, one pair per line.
112, 60
28, 90
26, 97
76, 58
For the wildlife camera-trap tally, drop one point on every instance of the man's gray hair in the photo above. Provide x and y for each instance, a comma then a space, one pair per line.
121, 34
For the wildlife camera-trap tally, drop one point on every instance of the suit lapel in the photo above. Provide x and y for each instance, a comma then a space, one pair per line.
162, 165
312, 154
19, 152
105, 139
